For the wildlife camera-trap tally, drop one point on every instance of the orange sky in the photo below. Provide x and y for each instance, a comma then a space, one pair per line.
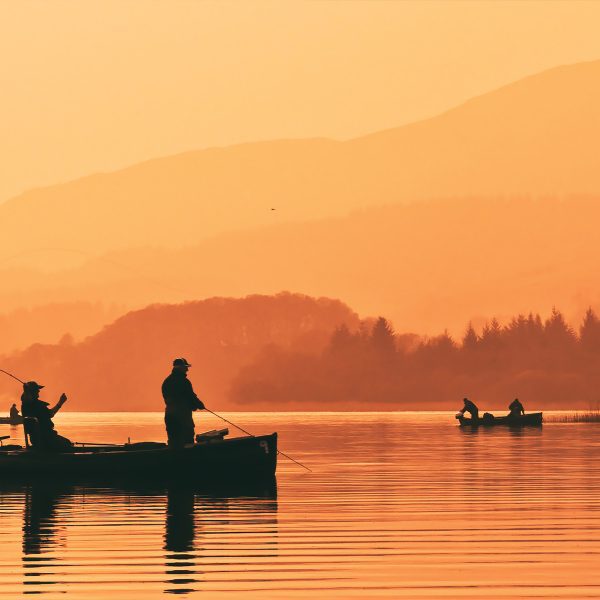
95, 86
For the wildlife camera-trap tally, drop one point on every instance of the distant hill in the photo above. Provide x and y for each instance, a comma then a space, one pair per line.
122, 367
537, 136
427, 266
48, 323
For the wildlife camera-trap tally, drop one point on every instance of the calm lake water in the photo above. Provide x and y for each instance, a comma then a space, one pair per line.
397, 505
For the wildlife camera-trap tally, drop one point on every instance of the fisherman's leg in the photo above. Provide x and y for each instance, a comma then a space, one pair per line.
188, 430
56, 443
180, 429
174, 437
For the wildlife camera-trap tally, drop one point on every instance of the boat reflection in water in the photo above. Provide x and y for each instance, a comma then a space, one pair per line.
131, 527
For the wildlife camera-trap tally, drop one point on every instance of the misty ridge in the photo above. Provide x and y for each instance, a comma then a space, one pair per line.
486, 209
426, 266
535, 136
294, 352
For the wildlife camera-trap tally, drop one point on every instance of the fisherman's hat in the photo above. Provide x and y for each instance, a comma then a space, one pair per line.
33, 384
181, 362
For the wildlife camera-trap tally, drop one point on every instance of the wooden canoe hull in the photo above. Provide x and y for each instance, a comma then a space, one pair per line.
529, 419
234, 459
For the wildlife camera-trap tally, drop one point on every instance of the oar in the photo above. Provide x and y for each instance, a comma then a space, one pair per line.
252, 435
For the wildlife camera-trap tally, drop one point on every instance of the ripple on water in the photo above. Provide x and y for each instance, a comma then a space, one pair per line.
398, 505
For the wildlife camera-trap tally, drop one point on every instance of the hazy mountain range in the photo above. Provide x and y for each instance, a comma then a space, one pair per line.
488, 209
537, 136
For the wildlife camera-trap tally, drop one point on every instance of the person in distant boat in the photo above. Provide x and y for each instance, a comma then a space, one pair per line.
470, 408
180, 402
14, 413
516, 408
41, 430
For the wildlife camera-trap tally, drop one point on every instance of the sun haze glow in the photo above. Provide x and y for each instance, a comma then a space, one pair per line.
88, 86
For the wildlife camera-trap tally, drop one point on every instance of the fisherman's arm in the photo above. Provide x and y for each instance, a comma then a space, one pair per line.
58, 405
196, 403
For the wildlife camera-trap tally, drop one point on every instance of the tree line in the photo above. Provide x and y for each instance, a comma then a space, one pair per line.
545, 362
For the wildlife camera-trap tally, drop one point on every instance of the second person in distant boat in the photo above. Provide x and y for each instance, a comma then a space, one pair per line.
516, 408
180, 401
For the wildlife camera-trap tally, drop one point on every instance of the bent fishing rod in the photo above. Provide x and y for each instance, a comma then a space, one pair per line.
252, 435
13, 376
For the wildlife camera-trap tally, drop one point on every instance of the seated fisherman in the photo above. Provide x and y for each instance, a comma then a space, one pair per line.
516, 408
469, 407
41, 433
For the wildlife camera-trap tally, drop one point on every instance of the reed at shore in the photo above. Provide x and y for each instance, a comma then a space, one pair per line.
590, 416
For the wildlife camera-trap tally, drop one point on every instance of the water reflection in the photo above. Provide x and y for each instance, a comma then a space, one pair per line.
55, 512
397, 506
39, 518
185, 512
42, 531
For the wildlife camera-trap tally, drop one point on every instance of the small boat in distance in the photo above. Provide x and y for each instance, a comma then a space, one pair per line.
11, 420
488, 420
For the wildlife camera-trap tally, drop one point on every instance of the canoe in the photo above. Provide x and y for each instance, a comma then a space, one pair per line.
9, 421
235, 459
528, 419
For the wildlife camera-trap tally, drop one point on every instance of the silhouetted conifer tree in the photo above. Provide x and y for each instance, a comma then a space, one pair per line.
589, 332
558, 334
382, 337
470, 339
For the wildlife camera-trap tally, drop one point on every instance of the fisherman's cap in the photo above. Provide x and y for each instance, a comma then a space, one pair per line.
32, 385
181, 362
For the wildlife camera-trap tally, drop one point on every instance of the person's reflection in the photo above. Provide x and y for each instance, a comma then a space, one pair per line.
181, 528
39, 522
179, 539
40, 529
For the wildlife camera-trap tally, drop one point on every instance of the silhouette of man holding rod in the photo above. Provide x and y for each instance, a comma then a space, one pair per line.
180, 402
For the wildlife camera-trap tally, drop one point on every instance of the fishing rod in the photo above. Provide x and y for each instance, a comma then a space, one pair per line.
13, 376
252, 435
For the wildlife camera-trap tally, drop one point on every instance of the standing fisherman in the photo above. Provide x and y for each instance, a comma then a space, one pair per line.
180, 402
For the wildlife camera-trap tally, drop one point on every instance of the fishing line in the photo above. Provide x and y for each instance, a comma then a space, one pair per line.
252, 435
